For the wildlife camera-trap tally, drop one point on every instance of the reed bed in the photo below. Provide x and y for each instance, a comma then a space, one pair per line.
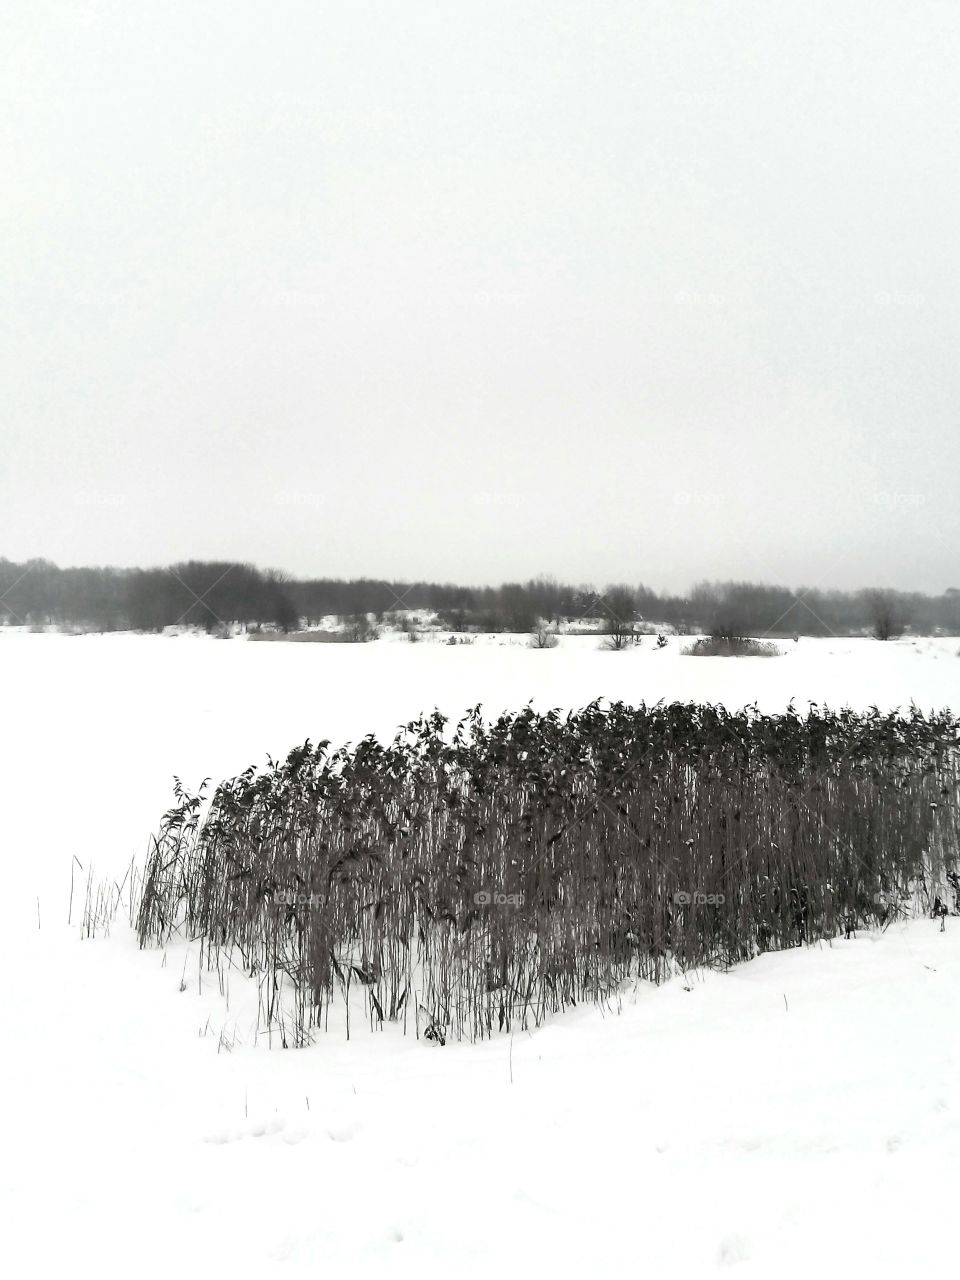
470, 879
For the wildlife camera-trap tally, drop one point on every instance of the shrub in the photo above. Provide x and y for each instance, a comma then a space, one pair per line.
731, 647
543, 638
358, 629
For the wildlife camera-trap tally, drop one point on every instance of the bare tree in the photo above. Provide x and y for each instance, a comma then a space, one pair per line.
889, 618
620, 609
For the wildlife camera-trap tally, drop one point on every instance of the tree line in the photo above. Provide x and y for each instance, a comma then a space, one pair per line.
216, 594
208, 594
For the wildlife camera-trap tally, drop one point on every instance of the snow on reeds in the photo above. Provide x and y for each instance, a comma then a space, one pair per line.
481, 879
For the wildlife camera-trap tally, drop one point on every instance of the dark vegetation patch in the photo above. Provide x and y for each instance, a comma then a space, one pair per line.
491, 875
731, 647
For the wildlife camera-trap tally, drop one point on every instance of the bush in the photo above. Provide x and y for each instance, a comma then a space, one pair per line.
543, 638
358, 629
731, 647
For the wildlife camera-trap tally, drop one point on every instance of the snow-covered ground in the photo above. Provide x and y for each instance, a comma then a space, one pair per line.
799, 1114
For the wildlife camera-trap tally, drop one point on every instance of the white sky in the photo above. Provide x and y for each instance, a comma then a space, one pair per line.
645, 290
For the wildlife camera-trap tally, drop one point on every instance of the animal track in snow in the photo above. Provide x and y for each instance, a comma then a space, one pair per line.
260, 1129
733, 1249
343, 1132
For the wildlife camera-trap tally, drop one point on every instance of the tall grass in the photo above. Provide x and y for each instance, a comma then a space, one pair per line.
480, 877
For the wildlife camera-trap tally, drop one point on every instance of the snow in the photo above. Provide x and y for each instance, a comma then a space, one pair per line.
799, 1113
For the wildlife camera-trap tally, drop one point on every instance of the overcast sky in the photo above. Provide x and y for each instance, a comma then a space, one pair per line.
610, 289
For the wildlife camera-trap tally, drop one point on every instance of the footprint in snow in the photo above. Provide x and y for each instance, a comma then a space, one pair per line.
259, 1130
222, 1135
733, 1249
343, 1132
267, 1127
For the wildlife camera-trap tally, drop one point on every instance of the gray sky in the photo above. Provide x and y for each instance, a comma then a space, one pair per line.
450, 289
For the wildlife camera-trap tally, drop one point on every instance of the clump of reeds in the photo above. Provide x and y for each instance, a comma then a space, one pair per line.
480, 877
731, 647
104, 898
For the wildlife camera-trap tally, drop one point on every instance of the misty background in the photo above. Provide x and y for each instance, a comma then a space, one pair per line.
475, 291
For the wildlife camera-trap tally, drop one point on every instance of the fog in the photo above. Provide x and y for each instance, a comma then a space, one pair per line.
643, 291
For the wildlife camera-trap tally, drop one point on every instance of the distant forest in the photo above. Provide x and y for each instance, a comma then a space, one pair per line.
215, 595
